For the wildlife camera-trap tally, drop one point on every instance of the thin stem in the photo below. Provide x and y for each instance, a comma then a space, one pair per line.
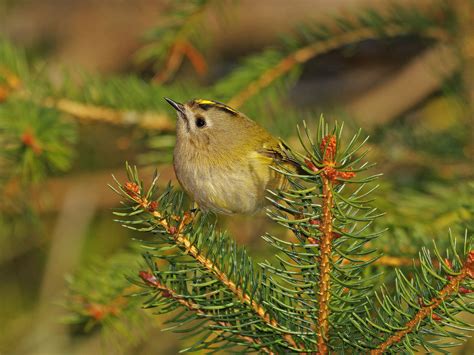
325, 266
177, 52
425, 311
148, 120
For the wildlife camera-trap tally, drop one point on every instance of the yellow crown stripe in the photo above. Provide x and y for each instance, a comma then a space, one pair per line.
215, 103
205, 102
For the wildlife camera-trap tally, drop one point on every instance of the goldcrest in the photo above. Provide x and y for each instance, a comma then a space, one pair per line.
223, 159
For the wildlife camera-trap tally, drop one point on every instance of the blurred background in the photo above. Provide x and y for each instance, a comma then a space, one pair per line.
81, 87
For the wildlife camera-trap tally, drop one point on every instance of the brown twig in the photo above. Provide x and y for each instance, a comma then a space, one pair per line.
173, 62
451, 287
304, 54
330, 176
150, 279
175, 58
147, 120
180, 48
325, 266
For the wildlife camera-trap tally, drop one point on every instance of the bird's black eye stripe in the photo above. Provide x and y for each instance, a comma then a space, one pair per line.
200, 122
206, 107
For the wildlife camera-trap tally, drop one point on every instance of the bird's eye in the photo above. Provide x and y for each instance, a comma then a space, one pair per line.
200, 122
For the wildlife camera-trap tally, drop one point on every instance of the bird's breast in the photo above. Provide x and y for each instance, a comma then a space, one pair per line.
224, 188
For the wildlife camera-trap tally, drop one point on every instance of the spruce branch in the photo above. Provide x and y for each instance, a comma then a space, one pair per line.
99, 296
338, 33
123, 100
428, 310
35, 142
424, 304
179, 229
316, 296
150, 279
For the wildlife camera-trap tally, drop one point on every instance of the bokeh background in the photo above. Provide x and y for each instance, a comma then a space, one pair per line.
406, 79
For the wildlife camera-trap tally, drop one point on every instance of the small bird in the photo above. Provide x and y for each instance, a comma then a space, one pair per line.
223, 159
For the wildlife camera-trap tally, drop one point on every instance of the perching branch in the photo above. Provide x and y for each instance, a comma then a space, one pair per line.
183, 242
317, 296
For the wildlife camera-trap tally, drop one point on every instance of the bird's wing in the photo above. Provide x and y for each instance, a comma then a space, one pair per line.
275, 150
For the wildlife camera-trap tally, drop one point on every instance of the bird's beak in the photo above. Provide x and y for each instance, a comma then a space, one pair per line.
177, 106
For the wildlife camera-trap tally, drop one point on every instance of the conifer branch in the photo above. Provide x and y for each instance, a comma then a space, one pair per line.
183, 242
98, 311
149, 279
302, 55
425, 311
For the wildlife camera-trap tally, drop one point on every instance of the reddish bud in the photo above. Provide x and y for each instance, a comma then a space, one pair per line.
336, 235
314, 222
435, 317
187, 217
346, 175
328, 147
149, 278
172, 230
29, 140
311, 165
132, 188
463, 291
153, 205
166, 293
330, 173
96, 311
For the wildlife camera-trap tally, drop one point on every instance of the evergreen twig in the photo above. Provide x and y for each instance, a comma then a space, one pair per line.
146, 120
148, 278
427, 310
